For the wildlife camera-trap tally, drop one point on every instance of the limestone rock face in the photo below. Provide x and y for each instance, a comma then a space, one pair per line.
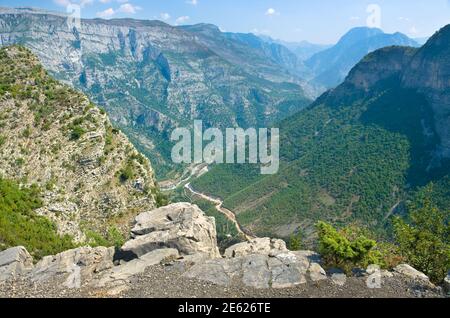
410, 272
182, 226
447, 282
73, 153
76, 266
14, 262
264, 246
281, 270
120, 275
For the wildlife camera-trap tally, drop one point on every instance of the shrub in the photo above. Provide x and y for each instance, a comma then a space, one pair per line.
76, 133
346, 249
126, 173
425, 240
112, 238
295, 242
21, 226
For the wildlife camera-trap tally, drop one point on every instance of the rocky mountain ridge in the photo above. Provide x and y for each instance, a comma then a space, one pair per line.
91, 177
358, 153
332, 66
151, 77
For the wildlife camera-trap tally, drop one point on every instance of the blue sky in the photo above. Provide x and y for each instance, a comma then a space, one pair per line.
319, 21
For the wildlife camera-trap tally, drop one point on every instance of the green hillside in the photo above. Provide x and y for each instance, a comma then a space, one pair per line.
354, 156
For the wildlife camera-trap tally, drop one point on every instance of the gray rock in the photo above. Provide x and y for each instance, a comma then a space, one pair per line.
120, 275
375, 269
285, 275
14, 262
283, 270
263, 246
218, 271
76, 266
255, 271
182, 226
339, 278
447, 283
316, 272
410, 272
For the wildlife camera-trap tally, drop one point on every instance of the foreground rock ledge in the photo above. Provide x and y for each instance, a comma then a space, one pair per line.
181, 237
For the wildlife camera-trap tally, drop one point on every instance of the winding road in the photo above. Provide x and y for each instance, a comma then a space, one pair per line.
219, 207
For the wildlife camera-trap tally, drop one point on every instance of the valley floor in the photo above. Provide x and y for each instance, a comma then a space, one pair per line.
167, 282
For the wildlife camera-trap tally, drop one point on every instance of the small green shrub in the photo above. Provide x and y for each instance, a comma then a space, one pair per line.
425, 240
127, 173
295, 242
76, 133
347, 248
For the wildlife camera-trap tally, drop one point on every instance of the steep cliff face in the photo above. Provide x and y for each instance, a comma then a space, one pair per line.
429, 72
151, 77
91, 177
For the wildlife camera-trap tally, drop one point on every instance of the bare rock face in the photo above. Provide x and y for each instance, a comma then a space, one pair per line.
264, 246
182, 226
280, 270
119, 276
76, 267
14, 262
88, 171
447, 282
410, 272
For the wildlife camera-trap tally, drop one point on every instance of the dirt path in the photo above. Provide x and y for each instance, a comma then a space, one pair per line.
219, 207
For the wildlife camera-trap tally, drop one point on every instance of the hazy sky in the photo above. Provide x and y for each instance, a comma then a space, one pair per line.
320, 21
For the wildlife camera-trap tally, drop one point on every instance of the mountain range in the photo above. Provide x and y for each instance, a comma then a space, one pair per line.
151, 77
358, 153
331, 66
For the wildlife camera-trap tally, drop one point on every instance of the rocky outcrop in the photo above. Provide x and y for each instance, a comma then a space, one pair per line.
54, 137
447, 282
191, 252
182, 226
14, 262
75, 267
265, 246
280, 270
117, 278
410, 272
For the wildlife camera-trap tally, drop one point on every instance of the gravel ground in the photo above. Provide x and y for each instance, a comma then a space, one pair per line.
166, 282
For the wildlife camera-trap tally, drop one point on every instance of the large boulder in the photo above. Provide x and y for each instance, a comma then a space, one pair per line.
262, 246
182, 226
281, 270
76, 266
14, 262
120, 276
410, 272
447, 283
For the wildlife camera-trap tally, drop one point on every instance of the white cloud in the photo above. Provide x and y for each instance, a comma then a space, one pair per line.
81, 3
128, 8
355, 18
272, 12
164, 16
182, 19
192, 2
108, 13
